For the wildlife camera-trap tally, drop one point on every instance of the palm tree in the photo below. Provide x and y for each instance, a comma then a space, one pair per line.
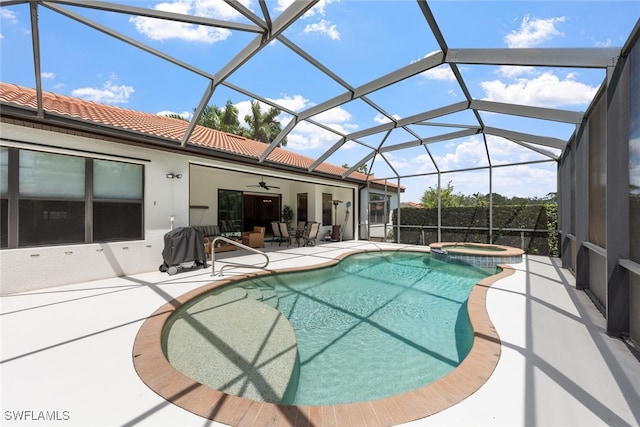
263, 127
229, 121
175, 116
210, 117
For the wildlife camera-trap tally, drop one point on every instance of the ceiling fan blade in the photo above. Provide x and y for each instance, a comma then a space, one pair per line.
262, 184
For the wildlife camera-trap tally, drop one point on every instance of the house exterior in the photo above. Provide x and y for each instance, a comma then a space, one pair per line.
88, 191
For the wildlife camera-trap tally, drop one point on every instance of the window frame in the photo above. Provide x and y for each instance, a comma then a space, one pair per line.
303, 206
12, 199
375, 200
327, 206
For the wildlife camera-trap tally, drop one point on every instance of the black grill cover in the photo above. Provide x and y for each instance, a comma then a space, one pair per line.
183, 244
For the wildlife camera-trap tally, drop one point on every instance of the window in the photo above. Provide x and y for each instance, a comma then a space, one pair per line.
58, 199
4, 197
302, 207
379, 208
51, 191
326, 208
117, 201
50, 222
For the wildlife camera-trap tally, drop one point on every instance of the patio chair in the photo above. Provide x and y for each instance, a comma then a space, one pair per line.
284, 233
300, 231
277, 236
312, 235
255, 238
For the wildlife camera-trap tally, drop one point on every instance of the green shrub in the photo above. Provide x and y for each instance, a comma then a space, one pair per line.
543, 217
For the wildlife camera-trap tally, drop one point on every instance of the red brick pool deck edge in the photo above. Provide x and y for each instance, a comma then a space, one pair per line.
160, 376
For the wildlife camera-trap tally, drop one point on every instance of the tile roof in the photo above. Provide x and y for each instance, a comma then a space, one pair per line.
163, 127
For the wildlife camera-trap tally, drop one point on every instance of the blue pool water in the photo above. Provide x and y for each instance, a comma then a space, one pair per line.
374, 325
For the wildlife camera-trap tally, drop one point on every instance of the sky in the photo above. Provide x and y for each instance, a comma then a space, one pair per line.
357, 40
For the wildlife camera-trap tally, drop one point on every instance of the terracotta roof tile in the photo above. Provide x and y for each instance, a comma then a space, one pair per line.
160, 126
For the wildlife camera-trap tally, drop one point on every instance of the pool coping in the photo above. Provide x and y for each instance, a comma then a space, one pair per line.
157, 373
507, 251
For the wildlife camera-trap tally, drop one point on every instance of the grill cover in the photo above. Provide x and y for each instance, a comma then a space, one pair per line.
183, 244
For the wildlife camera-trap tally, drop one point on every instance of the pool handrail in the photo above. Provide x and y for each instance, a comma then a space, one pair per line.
240, 245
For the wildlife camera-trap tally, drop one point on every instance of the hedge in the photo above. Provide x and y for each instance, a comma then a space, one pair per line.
541, 218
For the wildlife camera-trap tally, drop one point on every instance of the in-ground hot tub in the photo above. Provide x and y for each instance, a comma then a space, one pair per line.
476, 254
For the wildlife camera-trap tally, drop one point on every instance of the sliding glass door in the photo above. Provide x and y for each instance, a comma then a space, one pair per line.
230, 212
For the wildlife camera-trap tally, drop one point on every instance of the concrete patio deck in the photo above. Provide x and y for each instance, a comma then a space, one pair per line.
67, 351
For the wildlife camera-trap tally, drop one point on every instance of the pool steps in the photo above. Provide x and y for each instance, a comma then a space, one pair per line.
236, 342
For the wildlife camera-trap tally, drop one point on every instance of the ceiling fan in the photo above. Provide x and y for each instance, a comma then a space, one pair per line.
263, 184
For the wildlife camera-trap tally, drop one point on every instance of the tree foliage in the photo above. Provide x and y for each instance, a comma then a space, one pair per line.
175, 116
263, 126
229, 121
363, 168
450, 199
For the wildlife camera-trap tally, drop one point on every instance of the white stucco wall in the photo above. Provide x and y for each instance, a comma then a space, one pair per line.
26, 269
33, 268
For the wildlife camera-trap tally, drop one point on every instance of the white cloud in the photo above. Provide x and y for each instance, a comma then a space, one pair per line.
380, 118
319, 8
334, 115
546, 90
8, 15
217, 9
159, 29
110, 93
511, 71
294, 103
525, 181
47, 75
606, 43
440, 73
533, 32
469, 153
323, 27
306, 136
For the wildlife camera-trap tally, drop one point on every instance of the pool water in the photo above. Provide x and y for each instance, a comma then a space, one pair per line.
374, 325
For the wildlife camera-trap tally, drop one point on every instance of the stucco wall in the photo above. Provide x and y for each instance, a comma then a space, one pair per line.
33, 268
167, 204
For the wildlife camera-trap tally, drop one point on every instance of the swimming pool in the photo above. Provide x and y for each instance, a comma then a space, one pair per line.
476, 254
374, 325
155, 371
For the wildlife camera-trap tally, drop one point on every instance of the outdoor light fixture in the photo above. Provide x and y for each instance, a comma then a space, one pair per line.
174, 175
